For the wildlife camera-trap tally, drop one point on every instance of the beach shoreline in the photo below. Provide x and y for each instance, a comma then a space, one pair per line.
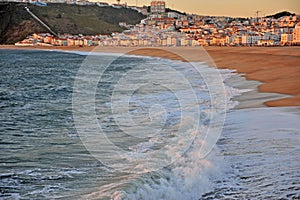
275, 70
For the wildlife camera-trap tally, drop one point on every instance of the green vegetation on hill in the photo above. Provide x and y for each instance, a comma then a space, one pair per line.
280, 14
16, 23
175, 11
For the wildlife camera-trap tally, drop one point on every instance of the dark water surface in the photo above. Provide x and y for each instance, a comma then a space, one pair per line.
43, 157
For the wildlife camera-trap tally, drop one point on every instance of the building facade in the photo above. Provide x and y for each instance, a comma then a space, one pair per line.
296, 34
158, 7
286, 39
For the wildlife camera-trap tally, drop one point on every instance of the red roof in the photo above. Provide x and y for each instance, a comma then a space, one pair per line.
163, 19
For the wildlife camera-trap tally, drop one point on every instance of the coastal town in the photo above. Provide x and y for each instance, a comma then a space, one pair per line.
172, 28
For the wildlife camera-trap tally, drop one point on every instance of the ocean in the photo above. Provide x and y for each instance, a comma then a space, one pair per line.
106, 126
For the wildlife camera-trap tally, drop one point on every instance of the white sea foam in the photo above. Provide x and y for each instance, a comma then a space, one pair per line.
256, 142
259, 148
189, 177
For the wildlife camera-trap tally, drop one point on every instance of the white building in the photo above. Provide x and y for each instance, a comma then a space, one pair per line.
102, 4
246, 40
265, 42
255, 39
296, 34
158, 7
286, 39
173, 15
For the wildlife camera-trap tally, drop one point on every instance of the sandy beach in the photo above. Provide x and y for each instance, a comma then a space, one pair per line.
278, 68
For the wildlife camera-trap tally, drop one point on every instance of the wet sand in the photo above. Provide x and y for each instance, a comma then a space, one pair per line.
277, 68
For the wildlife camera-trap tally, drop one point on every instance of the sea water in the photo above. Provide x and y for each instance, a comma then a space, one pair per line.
44, 155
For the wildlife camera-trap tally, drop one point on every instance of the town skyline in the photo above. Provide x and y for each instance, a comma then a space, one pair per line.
230, 8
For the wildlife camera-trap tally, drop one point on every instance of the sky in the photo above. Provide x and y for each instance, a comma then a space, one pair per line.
234, 8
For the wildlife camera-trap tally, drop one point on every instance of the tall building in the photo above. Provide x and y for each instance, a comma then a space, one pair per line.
296, 34
158, 7
286, 39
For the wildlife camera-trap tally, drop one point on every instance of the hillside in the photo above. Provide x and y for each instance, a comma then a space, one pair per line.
281, 14
16, 23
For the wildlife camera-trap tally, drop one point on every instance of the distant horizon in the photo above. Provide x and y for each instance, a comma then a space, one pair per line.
228, 8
